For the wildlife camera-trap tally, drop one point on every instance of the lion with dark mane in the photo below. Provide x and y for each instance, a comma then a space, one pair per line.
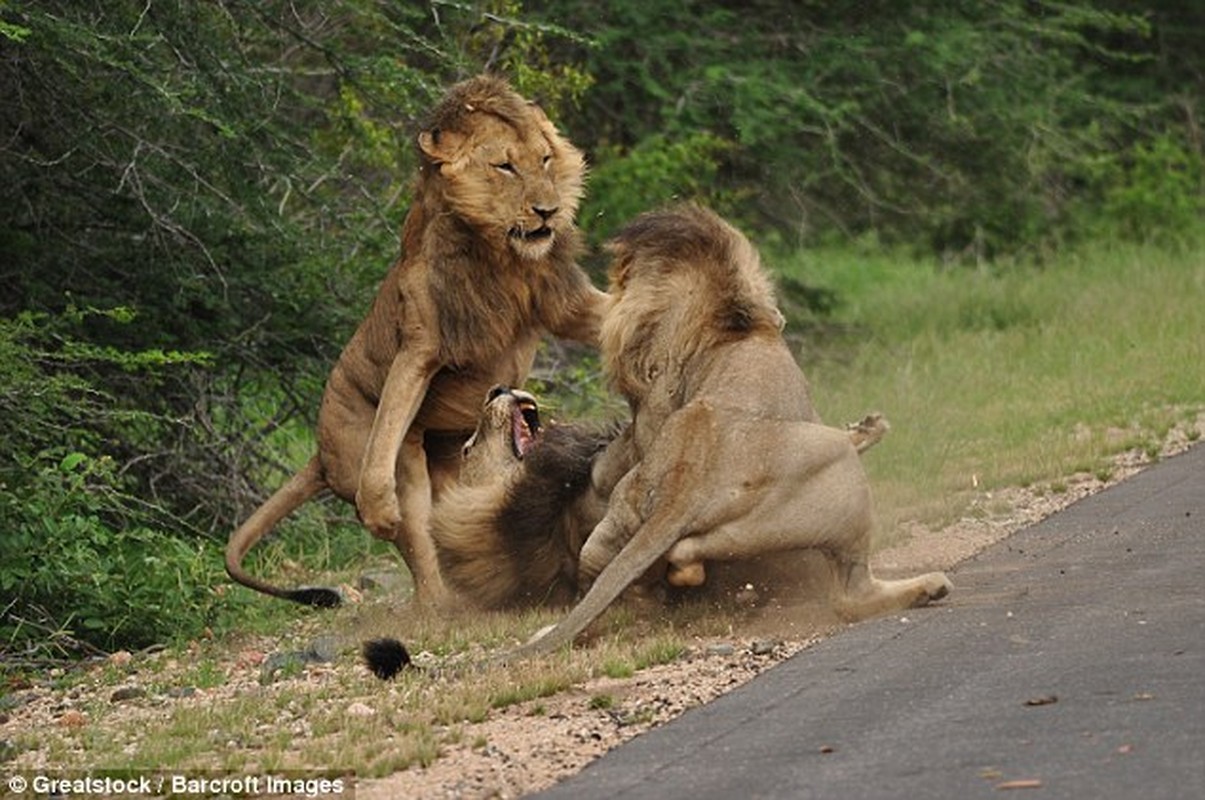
509, 533
488, 266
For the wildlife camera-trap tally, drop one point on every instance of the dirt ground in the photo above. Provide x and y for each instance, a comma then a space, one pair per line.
527, 749
527, 753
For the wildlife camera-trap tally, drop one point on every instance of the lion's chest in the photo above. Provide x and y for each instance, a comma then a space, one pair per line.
454, 399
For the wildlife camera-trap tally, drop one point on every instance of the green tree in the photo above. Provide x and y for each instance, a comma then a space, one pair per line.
959, 126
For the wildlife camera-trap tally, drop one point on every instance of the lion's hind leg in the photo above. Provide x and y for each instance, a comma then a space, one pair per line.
859, 595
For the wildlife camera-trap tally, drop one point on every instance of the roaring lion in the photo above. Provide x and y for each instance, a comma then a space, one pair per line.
488, 265
730, 459
510, 532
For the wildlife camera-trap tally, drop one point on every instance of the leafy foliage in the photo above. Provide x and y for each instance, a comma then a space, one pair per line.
960, 127
82, 560
76, 574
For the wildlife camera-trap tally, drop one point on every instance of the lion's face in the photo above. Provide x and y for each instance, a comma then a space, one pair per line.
513, 178
508, 429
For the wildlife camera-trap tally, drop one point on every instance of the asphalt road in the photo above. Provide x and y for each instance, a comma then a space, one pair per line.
1068, 663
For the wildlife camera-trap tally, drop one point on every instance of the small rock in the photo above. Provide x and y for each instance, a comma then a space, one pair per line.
127, 693
290, 662
121, 658
379, 580
323, 649
178, 692
250, 658
747, 595
720, 649
358, 709
764, 647
73, 718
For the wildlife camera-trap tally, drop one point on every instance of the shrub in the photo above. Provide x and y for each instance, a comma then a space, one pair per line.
83, 567
83, 562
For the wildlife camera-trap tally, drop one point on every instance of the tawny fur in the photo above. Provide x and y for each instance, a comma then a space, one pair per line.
488, 265
514, 539
730, 460
511, 532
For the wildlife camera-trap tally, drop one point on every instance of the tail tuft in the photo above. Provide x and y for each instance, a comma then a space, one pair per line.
316, 596
385, 657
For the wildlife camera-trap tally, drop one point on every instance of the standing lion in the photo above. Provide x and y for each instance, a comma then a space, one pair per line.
488, 266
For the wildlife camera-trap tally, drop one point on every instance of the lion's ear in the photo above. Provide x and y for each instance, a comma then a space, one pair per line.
439, 145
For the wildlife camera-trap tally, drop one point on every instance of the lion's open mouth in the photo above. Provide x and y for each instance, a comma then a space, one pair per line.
539, 234
525, 426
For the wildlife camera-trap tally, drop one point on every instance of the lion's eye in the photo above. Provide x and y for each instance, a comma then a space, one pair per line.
506, 167
547, 161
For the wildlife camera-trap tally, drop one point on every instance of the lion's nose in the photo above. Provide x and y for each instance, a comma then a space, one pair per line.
545, 213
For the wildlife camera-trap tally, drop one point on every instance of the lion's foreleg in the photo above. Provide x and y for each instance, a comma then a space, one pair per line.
581, 318
611, 534
377, 495
642, 551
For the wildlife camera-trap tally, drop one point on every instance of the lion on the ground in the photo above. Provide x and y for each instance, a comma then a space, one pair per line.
730, 459
488, 265
510, 532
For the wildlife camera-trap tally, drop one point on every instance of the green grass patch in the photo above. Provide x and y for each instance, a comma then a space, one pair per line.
1006, 375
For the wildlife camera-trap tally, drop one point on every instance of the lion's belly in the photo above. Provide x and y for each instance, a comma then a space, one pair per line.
456, 396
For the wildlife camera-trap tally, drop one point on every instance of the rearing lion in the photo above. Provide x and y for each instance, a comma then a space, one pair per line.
488, 266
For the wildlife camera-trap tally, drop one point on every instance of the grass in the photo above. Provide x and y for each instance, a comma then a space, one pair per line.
990, 377
1007, 376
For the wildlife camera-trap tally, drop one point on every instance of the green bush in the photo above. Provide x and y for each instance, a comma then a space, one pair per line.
658, 170
82, 566
83, 562
1155, 192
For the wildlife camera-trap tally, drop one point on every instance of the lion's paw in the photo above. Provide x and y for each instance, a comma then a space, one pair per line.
382, 518
934, 587
692, 574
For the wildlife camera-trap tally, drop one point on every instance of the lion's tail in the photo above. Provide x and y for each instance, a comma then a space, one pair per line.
301, 487
868, 431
